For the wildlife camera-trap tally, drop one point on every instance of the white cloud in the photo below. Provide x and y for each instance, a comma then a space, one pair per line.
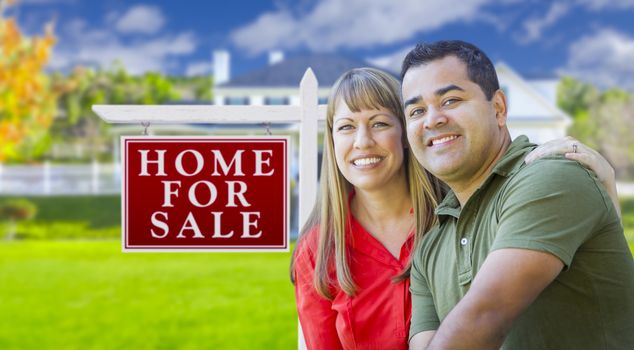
334, 24
606, 4
534, 26
391, 62
141, 19
604, 58
198, 68
80, 44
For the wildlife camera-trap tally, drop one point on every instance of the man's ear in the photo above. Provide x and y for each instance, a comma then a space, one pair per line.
499, 104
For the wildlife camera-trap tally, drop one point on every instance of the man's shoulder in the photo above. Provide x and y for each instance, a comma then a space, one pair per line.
555, 173
551, 166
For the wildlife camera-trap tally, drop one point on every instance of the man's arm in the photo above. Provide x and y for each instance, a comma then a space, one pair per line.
507, 283
421, 340
424, 321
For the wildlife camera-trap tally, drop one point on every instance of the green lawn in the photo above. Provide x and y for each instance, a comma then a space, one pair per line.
57, 293
89, 295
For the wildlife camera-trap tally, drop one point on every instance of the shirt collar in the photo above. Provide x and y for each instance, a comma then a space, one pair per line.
510, 163
362, 241
513, 160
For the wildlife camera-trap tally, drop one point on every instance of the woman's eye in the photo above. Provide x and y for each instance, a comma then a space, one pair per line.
344, 127
379, 125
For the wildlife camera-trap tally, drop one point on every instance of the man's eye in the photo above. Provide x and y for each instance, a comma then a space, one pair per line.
450, 101
417, 112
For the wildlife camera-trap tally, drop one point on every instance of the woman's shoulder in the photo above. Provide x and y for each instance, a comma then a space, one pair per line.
308, 241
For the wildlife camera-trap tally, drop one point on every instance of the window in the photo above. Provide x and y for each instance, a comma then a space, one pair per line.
234, 100
276, 101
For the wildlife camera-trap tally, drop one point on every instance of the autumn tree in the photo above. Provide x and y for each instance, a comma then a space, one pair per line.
27, 99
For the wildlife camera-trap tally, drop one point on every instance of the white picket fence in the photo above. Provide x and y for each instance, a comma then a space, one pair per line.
60, 179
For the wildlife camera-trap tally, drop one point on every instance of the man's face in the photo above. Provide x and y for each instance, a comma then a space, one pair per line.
454, 131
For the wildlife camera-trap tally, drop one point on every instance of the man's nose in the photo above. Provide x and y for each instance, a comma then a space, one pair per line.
435, 118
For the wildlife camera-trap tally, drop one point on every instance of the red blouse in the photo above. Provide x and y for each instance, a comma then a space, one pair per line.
377, 317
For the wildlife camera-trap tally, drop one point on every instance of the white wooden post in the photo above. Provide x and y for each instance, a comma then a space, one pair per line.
308, 113
308, 145
47, 177
307, 157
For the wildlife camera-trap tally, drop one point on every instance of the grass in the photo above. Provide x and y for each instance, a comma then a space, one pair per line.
57, 293
88, 295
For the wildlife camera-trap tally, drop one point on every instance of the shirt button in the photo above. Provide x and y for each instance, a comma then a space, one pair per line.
464, 241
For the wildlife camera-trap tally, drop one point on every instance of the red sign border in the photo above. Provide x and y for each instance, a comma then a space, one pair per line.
125, 247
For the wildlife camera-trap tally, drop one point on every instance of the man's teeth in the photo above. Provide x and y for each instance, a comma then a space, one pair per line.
443, 140
367, 161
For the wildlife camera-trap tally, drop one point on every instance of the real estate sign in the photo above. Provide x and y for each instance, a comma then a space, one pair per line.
205, 193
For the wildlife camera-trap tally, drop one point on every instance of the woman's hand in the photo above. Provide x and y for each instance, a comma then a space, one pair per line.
591, 159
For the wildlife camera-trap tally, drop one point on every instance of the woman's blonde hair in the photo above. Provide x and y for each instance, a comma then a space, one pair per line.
360, 89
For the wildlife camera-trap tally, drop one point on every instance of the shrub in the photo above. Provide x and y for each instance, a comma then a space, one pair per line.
13, 210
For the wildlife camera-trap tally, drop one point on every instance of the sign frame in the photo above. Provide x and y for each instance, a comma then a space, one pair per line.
125, 248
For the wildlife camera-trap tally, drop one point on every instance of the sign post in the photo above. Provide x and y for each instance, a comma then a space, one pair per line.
307, 114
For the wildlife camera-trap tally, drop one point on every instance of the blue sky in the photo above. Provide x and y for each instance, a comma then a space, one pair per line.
590, 39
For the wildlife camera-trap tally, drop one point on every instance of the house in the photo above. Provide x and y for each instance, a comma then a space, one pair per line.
532, 105
533, 108
277, 83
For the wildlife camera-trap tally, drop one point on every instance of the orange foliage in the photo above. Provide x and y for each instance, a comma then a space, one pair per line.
27, 100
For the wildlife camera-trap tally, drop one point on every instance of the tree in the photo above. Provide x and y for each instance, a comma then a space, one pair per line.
84, 87
603, 120
614, 120
27, 98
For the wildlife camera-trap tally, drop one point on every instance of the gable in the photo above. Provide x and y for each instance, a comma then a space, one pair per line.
525, 101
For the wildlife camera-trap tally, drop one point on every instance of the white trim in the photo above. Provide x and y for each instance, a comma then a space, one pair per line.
204, 114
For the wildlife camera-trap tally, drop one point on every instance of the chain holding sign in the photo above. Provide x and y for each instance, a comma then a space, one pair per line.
205, 193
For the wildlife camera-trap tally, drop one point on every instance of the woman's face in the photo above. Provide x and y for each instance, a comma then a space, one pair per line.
368, 147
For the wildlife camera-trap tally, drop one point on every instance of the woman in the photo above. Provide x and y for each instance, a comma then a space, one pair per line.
351, 263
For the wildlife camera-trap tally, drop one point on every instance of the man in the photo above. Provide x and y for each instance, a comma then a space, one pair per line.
524, 256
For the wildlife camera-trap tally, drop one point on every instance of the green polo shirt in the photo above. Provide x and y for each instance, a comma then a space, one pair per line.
553, 205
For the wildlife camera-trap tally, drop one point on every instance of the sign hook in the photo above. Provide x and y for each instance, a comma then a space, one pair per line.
145, 125
267, 125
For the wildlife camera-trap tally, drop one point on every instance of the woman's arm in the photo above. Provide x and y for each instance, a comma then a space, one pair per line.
591, 159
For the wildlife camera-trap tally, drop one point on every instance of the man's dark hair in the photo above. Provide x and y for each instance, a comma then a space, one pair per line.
479, 67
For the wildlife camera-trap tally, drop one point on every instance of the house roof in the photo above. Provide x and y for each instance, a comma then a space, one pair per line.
288, 73
537, 99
